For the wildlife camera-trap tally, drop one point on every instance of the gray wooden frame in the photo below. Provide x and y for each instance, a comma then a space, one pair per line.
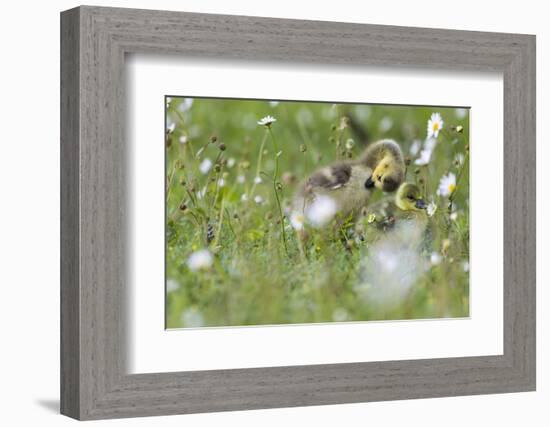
94, 41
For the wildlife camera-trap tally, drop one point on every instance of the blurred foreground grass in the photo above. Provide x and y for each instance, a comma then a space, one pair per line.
225, 261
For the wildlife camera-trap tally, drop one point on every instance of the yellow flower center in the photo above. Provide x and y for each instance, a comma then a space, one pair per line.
452, 188
436, 126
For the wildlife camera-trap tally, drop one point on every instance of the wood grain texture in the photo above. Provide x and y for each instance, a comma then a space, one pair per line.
94, 270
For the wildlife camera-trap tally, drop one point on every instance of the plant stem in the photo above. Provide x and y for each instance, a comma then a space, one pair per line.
275, 177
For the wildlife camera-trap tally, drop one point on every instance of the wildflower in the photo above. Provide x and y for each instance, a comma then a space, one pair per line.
258, 180
213, 139
415, 147
258, 199
170, 126
240, 179
453, 216
344, 123
447, 185
461, 113
221, 182
186, 104
244, 197
231, 162
340, 315
321, 211
205, 166
459, 159
424, 159
183, 139
435, 258
349, 144
222, 146
297, 220
192, 318
431, 209
458, 129
267, 121
200, 260
385, 124
435, 124
201, 193
172, 285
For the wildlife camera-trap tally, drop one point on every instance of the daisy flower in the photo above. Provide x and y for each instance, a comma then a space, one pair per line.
259, 200
221, 182
192, 318
424, 159
447, 185
431, 209
435, 258
241, 179
183, 139
258, 180
267, 121
231, 162
415, 147
244, 197
321, 211
385, 124
435, 124
297, 220
200, 260
205, 166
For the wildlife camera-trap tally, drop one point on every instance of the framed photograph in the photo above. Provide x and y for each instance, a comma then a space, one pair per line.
262, 213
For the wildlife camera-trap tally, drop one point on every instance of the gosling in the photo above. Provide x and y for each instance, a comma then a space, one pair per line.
350, 183
407, 204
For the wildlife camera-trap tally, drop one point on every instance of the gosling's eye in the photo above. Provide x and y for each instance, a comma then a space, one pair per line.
411, 198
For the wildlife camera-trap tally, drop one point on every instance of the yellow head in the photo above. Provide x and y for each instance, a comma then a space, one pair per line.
409, 198
388, 167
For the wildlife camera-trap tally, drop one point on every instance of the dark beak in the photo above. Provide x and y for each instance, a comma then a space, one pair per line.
420, 204
369, 183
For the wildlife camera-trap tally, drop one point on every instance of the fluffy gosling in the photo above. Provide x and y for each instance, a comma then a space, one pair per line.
350, 183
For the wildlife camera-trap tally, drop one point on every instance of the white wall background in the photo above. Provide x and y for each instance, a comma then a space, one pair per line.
29, 212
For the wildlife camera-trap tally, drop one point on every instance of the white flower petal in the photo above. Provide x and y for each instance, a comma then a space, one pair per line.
200, 260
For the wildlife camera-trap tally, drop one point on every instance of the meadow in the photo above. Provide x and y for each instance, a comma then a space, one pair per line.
234, 255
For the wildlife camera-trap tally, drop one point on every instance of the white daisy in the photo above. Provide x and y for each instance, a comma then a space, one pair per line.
186, 104
192, 318
461, 113
435, 124
415, 147
321, 211
183, 139
267, 121
453, 216
424, 159
201, 193
172, 285
435, 258
240, 179
431, 209
258, 180
447, 185
459, 159
205, 166
200, 260
297, 220
244, 197
259, 199
231, 162
221, 182
385, 124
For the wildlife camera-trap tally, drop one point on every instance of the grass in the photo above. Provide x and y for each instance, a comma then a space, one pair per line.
260, 272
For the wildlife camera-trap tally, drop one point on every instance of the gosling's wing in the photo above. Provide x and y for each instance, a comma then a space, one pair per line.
330, 178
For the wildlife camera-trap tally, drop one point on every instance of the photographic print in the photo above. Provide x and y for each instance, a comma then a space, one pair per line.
297, 212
